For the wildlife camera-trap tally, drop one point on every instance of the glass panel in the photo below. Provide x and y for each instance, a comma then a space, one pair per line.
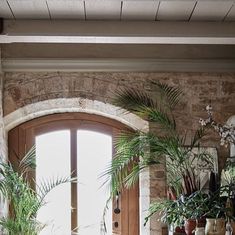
94, 154
53, 160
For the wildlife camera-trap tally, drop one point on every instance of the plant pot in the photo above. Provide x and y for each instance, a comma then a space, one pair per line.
190, 225
201, 222
179, 230
215, 226
200, 231
200, 227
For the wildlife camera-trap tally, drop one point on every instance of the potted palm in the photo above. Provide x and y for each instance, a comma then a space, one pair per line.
138, 150
24, 201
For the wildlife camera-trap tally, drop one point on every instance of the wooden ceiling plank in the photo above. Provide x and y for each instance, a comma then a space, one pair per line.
139, 10
211, 10
70, 9
103, 10
175, 10
231, 14
5, 11
34, 9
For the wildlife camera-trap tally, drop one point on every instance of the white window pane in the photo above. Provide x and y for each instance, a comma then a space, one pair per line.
53, 160
94, 154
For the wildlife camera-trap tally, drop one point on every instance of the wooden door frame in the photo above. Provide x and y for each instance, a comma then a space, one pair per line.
22, 138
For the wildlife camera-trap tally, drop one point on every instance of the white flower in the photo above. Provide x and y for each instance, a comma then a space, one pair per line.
222, 142
202, 122
226, 132
208, 107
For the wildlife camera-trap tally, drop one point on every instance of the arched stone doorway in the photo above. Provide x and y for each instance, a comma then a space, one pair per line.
81, 105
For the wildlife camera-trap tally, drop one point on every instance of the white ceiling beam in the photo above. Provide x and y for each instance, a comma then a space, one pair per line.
116, 32
1, 62
118, 40
158, 0
117, 65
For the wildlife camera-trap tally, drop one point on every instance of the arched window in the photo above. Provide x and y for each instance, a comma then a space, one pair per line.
82, 145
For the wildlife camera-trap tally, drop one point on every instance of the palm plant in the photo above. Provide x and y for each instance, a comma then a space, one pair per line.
24, 201
138, 150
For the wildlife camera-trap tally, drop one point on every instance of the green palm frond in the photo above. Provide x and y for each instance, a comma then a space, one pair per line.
172, 95
163, 146
103, 228
130, 147
24, 201
47, 185
137, 151
29, 161
162, 118
134, 101
20, 227
198, 135
141, 104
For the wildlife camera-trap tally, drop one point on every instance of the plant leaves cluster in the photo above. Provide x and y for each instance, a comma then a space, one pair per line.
24, 202
167, 147
135, 151
196, 206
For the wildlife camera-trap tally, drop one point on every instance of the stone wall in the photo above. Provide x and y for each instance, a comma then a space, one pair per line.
200, 89
3, 144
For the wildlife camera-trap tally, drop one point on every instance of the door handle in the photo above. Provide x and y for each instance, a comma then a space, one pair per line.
117, 209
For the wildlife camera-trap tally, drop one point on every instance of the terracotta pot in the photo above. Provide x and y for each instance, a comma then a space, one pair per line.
190, 226
180, 230
215, 226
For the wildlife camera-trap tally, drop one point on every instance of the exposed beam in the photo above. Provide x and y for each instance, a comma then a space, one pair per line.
1, 25
1, 71
117, 40
45, 31
117, 65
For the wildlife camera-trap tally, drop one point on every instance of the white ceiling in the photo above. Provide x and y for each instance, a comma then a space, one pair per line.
171, 10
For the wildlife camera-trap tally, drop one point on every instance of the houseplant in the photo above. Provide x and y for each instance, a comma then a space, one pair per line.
184, 211
227, 138
193, 210
24, 201
138, 150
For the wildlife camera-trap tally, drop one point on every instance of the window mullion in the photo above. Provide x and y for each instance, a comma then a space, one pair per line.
73, 156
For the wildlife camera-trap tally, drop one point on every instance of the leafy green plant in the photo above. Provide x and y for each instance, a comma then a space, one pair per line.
24, 201
163, 145
170, 211
196, 206
138, 150
228, 175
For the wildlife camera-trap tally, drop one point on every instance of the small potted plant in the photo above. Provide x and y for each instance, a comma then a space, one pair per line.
185, 211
